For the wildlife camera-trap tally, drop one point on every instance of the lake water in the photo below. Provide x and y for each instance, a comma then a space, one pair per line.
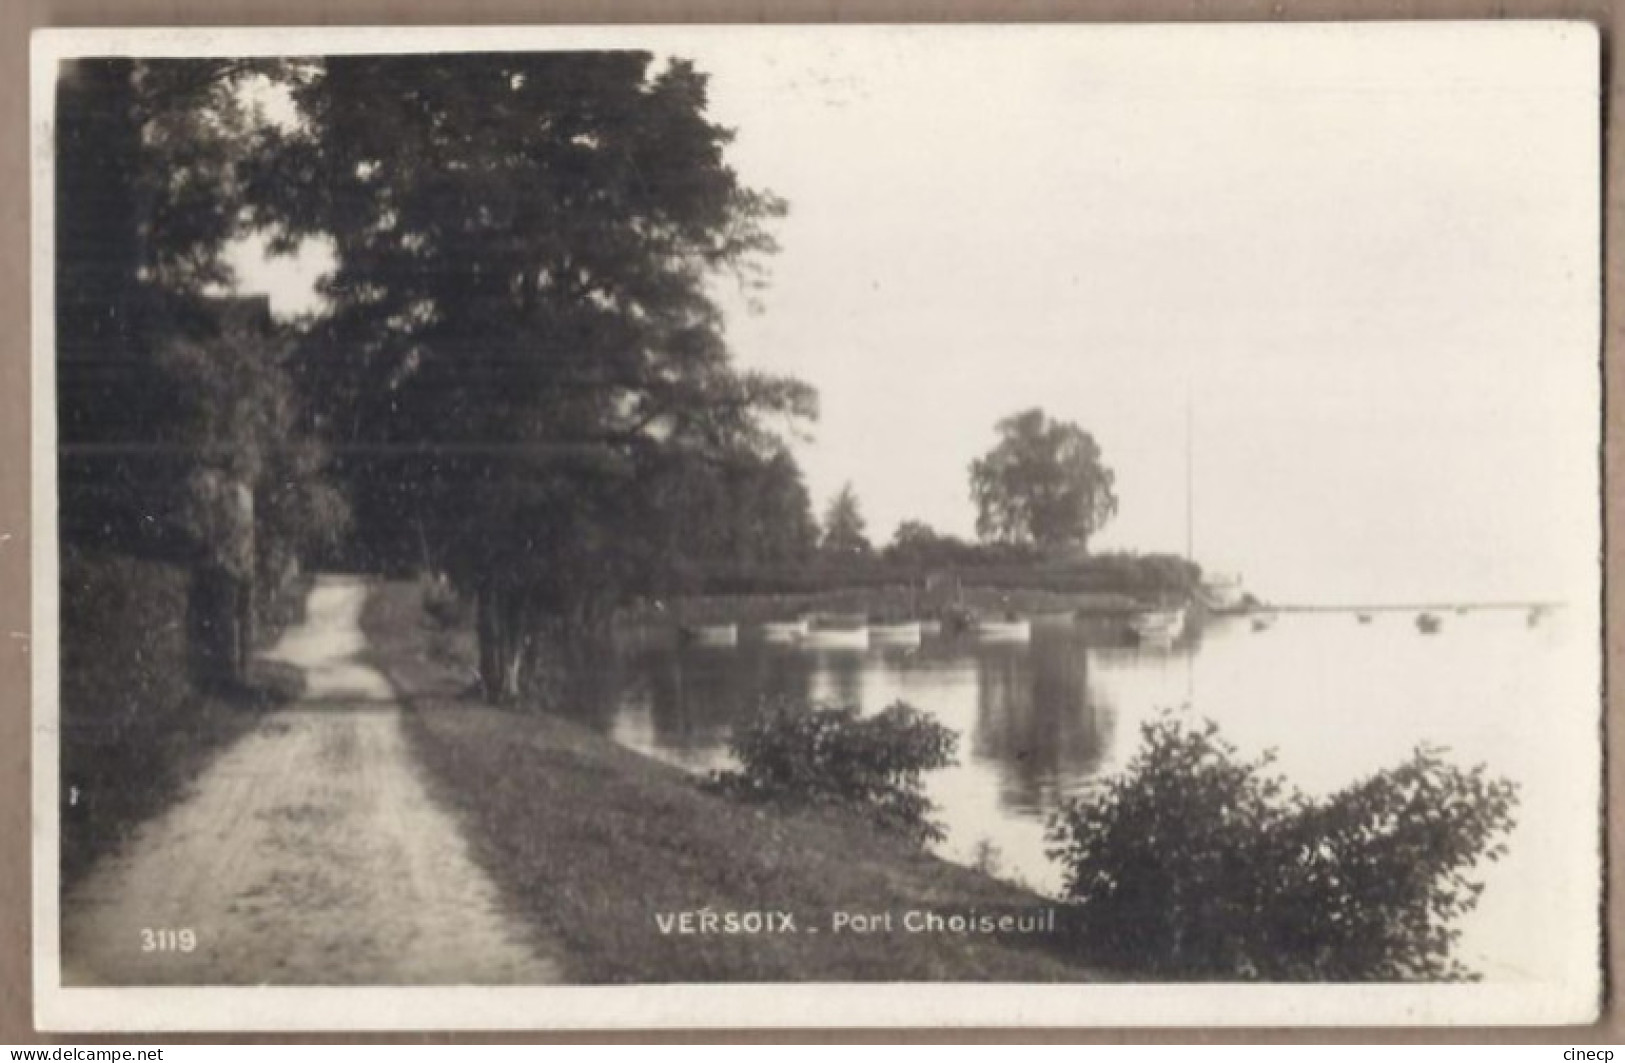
1336, 699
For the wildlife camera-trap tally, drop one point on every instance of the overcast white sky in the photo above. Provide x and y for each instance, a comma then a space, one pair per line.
1369, 254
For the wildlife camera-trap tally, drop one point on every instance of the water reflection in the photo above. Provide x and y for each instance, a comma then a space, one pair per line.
833, 676
688, 698
1031, 721
1336, 698
1037, 720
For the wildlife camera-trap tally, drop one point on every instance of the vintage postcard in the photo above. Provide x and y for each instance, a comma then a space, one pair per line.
817, 525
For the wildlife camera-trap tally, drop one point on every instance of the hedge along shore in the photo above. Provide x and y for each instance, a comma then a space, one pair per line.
619, 858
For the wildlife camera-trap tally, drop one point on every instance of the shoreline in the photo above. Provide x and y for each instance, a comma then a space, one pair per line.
592, 844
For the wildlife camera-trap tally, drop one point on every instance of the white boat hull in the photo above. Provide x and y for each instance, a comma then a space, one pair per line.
895, 634
836, 639
784, 630
1004, 630
1163, 625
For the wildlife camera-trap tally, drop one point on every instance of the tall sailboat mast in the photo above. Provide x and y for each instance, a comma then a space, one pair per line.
1190, 509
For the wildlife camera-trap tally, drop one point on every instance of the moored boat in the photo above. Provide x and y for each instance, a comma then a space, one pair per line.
1158, 625
903, 633
1004, 629
836, 631
1428, 623
1364, 618
784, 630
1223, 592
835, 638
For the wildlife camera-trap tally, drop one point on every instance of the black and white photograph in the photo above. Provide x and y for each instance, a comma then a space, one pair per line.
808, 525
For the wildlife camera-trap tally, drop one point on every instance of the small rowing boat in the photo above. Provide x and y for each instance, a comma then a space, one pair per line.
784, 630
1158, 625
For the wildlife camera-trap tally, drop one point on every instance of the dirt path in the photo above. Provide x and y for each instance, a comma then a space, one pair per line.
308, 853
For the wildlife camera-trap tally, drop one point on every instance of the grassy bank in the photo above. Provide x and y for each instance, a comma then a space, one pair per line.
134, 728
592, 842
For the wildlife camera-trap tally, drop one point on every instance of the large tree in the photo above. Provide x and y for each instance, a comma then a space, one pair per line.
146, 200
1044, 483
524, 362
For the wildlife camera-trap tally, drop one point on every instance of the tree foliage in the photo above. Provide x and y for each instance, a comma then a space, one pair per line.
1045, 483
523, 361
845, 534
146, 198
177, 405
1197, 863
241, 416
746, 509
800, 754
916, 545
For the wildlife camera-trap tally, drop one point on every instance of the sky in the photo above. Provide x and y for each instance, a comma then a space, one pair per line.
1364, 258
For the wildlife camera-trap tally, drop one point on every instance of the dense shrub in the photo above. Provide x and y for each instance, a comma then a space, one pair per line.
125, 690
124, 648
800, 754
135, 727
1197, 863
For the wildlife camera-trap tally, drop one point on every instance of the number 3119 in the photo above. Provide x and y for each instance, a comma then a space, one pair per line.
168, 940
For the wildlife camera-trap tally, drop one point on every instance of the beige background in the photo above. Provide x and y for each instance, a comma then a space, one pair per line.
17, 17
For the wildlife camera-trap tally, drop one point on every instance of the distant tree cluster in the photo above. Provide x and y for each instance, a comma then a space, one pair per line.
915, 544
1041, 493
916, 547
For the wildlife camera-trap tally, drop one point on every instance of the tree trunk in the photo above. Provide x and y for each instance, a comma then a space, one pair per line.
501, 631
514, 635
243, 593
491, 663
221, 621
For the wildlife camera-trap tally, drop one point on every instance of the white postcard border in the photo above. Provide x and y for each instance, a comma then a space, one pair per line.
719, 1005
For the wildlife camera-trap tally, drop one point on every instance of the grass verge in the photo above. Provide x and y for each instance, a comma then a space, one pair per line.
115, 780
593, 844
